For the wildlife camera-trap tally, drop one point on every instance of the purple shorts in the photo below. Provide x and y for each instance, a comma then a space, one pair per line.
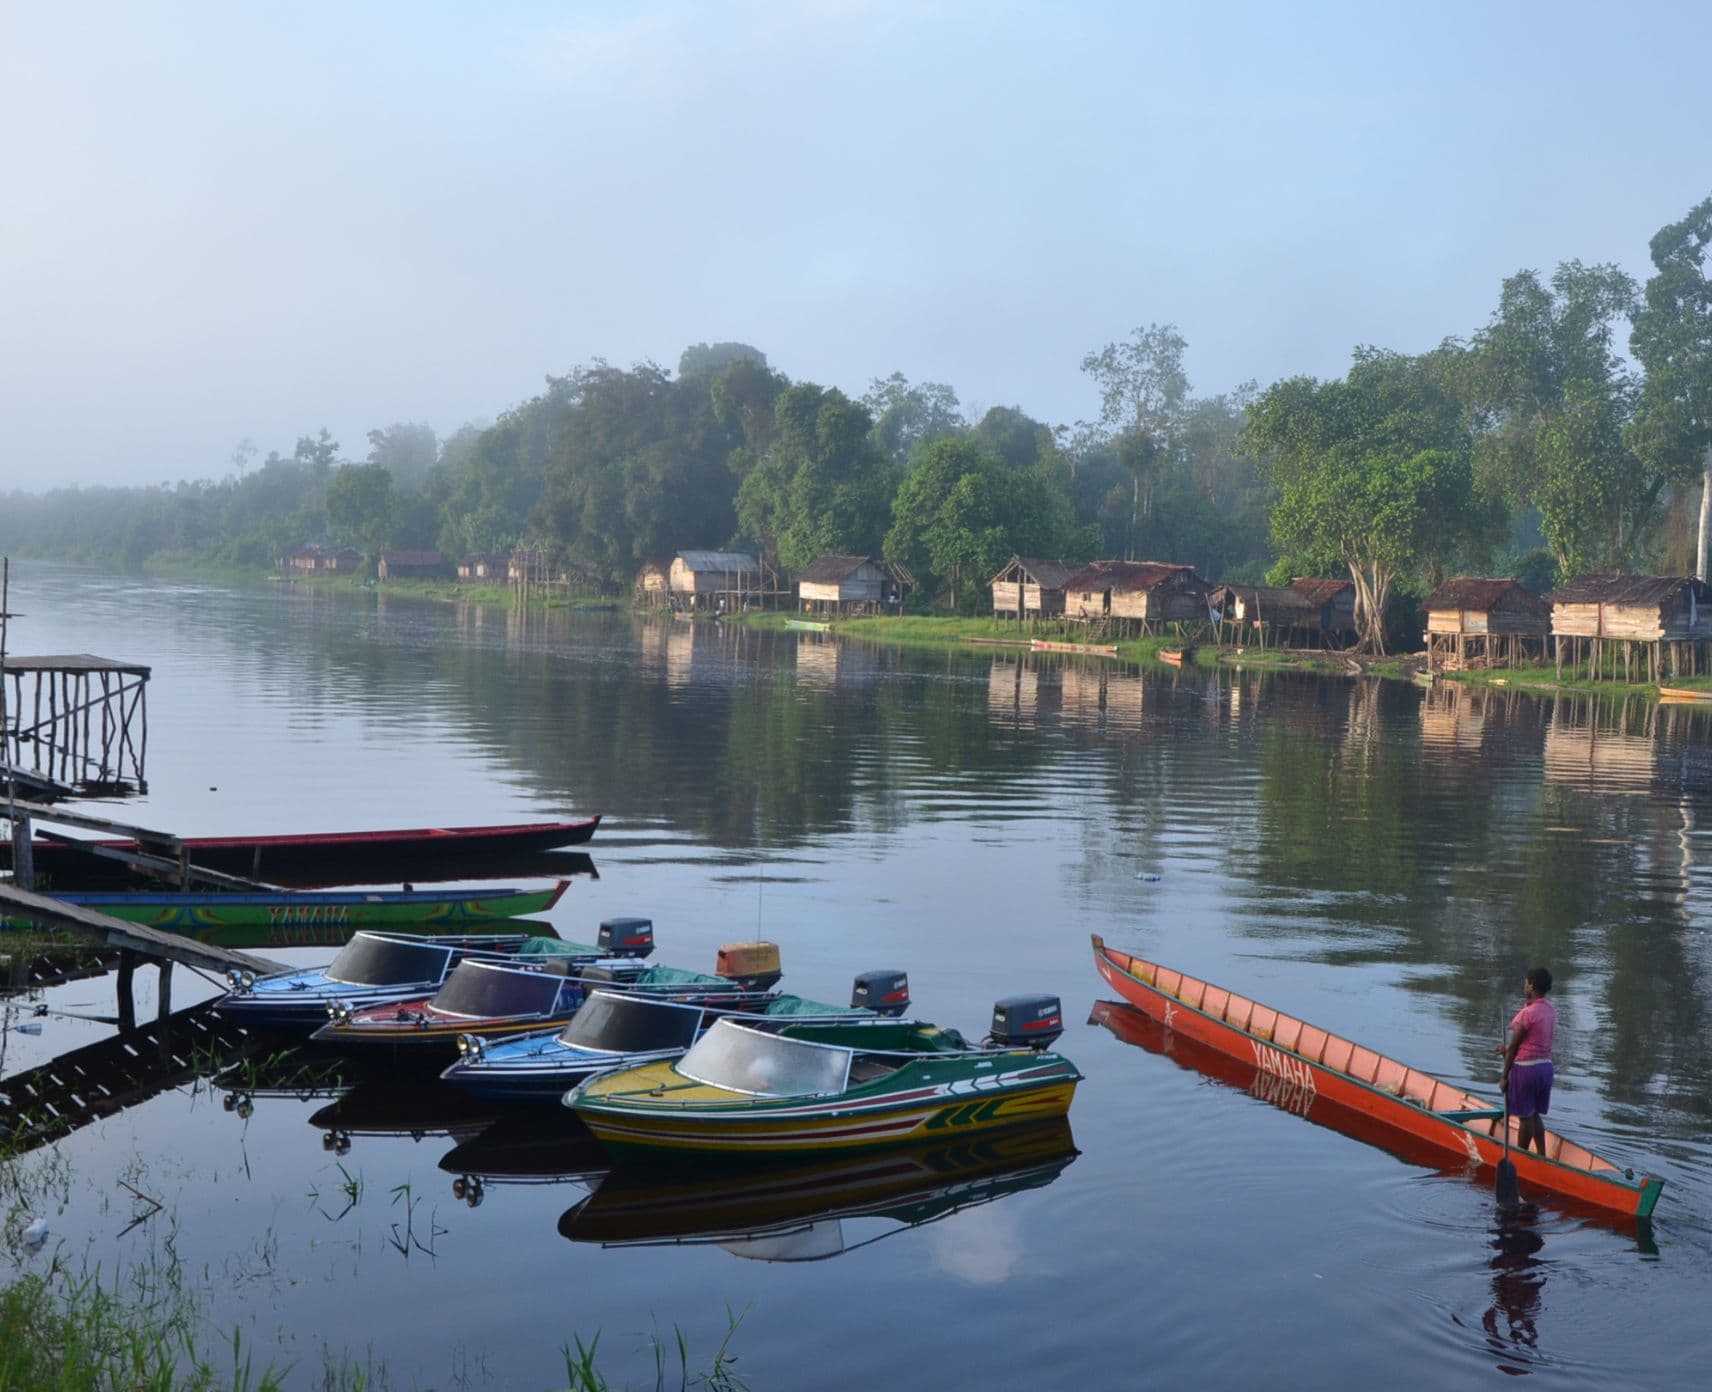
1530, 1089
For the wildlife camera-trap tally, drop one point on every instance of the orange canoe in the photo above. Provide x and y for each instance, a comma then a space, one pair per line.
1403, 1100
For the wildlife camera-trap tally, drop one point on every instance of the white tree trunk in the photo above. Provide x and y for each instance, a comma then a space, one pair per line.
1705, 518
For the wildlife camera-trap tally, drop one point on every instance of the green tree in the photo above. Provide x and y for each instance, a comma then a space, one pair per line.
1374, 468
711, 359
822, 486
1555, 397
360, 505
907, 417
408, 451
962, 513
1672, 338
1143, 389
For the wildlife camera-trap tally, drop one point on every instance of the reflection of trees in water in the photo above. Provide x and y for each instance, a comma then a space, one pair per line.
1455, 833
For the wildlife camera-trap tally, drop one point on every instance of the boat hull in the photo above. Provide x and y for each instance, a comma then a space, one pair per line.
1403, 1100
288, 918
913, 1113
321, 857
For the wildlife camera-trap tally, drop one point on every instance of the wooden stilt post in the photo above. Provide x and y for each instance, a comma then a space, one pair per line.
164, 1007
23, 854
125, 983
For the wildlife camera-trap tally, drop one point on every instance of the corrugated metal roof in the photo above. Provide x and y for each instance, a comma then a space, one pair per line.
830, 570
718, 560
1643, 590
1128, 575
1471, 592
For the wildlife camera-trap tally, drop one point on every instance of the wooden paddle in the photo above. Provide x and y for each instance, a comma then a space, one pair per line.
1509, 1196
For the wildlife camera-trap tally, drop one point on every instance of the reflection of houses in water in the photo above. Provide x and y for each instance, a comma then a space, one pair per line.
1453, 717
1013, 690
1603, 746
823, 661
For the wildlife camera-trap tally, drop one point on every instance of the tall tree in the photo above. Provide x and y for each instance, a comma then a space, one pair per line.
907, 417
1374, 468
962, 513
1555, 397
408, 450
1143, 389
822, 486
360, 505
1672, 338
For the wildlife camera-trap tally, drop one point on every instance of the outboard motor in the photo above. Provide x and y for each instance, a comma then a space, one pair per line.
626, 937
1031, 1022
883, 992
752, 965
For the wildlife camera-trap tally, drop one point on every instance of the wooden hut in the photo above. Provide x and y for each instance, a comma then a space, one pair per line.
320, 560
1144, 594
401, 565
484, 567
714, 579
653, 584
847, 585
1471, 620
1331, 604
1029, 587
1664, 621
1266, 615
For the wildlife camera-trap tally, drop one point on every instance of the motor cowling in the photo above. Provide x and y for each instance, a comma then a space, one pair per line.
626, 937
753, 965
884, 992
1027, 1021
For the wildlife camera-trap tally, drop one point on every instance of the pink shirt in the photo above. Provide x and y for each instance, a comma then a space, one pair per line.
1538, 1019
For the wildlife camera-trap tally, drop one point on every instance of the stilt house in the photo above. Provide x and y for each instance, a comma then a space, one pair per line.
1487, 621
653, 584
480, 567
1029, 587
1661, 622
714, 579
1146, 594
399, 565
848, 585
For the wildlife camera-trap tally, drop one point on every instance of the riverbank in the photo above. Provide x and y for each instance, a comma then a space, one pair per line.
926, 631
448, 592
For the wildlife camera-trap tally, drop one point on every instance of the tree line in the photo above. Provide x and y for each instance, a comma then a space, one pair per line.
1532, 446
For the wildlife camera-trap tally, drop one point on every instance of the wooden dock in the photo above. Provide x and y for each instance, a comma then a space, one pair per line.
130, 937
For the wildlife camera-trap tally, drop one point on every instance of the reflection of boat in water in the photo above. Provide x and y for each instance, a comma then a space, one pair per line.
524, 1148
797, 1213
389, 1106
1320, 1068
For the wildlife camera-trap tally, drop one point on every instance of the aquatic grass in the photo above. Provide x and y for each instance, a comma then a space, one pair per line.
584, 1375
58, 1333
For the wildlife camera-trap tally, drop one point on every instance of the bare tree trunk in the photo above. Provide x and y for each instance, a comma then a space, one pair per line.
1705, 518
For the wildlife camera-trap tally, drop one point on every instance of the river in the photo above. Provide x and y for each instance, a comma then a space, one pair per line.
1380, 860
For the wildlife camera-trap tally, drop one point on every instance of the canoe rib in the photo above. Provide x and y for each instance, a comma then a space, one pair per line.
1414, 1101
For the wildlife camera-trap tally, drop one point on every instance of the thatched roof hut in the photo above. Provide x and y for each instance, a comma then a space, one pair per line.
1148, 592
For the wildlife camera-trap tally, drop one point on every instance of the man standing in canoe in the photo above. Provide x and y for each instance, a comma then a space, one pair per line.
1528, 1062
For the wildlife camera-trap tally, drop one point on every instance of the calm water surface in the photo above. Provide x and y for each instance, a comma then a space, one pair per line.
1381, 861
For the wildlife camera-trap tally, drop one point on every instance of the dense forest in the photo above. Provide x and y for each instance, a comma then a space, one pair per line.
1533, 446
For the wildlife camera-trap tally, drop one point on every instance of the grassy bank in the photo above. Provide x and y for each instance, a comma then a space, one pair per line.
448, 591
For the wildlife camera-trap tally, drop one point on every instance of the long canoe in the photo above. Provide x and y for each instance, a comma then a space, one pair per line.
1405, 1100
319, 854
203, 915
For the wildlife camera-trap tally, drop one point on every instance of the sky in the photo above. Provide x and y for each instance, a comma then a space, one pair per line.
230, 221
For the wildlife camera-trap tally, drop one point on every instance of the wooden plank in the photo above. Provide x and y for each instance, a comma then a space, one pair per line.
136, 937
46, 813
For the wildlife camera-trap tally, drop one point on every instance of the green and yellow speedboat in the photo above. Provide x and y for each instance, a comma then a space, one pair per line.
741, 1092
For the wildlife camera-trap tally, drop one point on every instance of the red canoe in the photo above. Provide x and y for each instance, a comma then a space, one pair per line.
1403, 1100
325, 853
